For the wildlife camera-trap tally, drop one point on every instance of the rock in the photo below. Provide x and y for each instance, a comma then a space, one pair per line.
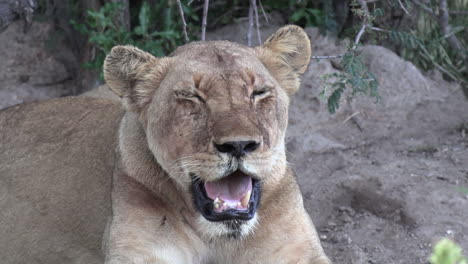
12, 9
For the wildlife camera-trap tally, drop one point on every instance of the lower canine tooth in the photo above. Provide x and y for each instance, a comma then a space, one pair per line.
245, 200
217, 202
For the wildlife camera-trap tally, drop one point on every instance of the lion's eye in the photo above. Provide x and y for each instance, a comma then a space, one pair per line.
261, 93
187, 95
257, 93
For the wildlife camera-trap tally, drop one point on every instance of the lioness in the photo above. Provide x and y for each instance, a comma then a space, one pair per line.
200, 174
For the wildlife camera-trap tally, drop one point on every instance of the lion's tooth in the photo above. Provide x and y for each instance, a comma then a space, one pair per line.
216, 203
245, 200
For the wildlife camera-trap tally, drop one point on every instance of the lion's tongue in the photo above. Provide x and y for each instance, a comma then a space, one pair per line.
230, 189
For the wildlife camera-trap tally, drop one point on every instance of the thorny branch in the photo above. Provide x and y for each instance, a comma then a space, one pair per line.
263, 11
251, 23
424, 7
259, 37
358, 36
328, 57
430, 11
403, 7
443, 22
205, 15
445, 26
457, 12
184, 24
364, 22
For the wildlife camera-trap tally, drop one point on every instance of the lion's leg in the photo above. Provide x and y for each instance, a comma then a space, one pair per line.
289, 239
289, 236
144, 229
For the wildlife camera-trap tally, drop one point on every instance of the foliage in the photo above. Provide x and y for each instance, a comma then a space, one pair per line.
307, 16
432, 51
354, 75
419, 37
305, 13
447, 252
420, 40
156, 38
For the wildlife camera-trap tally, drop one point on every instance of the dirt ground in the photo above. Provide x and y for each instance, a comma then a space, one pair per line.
382, 181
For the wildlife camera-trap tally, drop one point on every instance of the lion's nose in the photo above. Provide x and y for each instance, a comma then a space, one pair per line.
237, 148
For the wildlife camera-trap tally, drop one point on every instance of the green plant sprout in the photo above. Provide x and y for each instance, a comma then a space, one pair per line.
447, 252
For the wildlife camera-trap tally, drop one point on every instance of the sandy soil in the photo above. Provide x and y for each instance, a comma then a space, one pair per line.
381, 181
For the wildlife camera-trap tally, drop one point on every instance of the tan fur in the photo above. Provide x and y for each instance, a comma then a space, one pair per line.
56, 162
176, 108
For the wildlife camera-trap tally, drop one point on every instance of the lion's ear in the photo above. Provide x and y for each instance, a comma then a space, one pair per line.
286, 54
130, 73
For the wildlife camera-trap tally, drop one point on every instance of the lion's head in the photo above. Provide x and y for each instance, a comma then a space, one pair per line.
215, 116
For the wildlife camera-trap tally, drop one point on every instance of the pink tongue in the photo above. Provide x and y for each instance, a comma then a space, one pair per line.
231, 189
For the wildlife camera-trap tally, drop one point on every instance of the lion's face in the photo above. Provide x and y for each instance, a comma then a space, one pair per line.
215, 115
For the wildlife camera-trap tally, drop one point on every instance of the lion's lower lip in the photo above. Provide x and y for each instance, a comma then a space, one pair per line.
240, 205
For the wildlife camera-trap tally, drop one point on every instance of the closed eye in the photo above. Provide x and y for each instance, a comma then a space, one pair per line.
261, 93
258, 93
188, 95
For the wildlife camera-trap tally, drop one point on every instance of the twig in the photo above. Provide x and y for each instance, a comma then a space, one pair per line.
364, 22
457, 12
123, 15
259, 37
184, 25
263, 11
363, 5
205, 15
358, 36
249, 31
379, 29
430, 11
424, 7
403, 7
327, 57
351, 116
445, 26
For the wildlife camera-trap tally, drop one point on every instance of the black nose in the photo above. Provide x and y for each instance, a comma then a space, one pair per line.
237, 148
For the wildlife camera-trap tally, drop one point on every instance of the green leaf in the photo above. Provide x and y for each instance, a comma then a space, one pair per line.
297, 15
334, 99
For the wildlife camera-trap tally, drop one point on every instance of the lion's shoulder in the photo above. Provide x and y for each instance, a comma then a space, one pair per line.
56, 160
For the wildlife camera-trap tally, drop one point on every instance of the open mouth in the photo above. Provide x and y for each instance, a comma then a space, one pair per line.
234, 197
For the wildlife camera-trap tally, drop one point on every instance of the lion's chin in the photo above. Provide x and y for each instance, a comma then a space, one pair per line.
229, 229
234, 198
